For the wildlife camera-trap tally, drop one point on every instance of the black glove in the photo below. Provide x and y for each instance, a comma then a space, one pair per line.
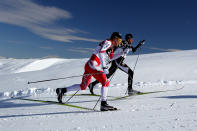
141, 42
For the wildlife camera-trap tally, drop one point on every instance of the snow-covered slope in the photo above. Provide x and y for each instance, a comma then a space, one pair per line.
39, 65
173, 110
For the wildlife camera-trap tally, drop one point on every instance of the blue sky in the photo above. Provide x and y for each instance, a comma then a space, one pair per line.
72, 29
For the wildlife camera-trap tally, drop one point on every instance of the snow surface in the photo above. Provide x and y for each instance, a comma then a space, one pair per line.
172, 110
39, 65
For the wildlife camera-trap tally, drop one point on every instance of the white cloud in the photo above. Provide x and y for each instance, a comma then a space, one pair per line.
39, 19
161, 49
81, 50
51, 56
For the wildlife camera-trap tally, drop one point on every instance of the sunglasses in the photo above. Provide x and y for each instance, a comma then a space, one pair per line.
120, 40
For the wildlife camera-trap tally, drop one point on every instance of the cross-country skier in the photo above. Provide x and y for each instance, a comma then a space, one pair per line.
119, 56
96, 66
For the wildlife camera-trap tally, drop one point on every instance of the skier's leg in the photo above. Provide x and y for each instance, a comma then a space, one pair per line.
112, 69
86, 77
131, 91
105, 83
122, 66
85, 82
91, 86
104, 90
130, 79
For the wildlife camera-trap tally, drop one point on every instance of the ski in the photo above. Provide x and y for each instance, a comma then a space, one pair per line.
91, 109
86, 95
143, 93
54, 102
113, 98
63, 104
82, 94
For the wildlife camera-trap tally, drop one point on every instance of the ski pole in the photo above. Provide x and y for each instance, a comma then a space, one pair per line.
97, 102
100, 95
52, 79
72, 95
109, 82
79, 90
142, 43
61, 78
137, 59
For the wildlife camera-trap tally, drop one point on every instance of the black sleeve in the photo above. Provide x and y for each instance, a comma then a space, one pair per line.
135, 48
120, 60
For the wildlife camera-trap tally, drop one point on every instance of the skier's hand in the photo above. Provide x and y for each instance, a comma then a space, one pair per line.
142, 42
105, 70
126, 51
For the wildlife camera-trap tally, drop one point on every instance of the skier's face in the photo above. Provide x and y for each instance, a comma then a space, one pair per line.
130, 40
117, 41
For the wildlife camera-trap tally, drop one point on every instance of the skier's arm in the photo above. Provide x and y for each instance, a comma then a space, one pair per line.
120, 52
117, 53
102, 53
139, 44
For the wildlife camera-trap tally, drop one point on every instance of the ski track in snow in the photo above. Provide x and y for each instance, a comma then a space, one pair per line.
138, 85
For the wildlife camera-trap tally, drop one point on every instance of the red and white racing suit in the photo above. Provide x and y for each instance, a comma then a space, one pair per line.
94, 67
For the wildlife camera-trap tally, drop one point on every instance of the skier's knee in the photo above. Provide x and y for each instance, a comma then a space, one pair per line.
106, 84
83, 87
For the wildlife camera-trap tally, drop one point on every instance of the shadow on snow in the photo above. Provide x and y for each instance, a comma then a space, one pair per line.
44, 114
180, 97
12, 103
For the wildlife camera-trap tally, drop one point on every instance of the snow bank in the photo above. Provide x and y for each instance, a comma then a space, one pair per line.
138, 85
40, 65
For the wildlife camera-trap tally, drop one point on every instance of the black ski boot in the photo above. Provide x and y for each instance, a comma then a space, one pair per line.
91, 87
106, 107
60, 92
132, 92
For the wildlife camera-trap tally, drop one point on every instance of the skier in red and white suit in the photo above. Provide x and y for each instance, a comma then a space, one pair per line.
96, 66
